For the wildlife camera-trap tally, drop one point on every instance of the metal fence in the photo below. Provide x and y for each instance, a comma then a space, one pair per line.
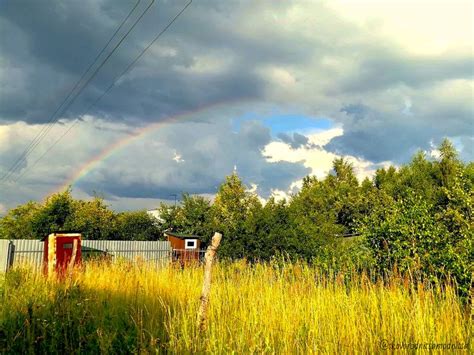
5, 252
188, 255
18, 251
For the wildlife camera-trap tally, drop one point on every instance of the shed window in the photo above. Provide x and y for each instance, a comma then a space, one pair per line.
190, 244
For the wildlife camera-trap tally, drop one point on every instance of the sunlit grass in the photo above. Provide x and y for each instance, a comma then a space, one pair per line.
264, 308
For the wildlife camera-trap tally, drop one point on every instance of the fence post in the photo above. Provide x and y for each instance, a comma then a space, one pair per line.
206, 286
10, 255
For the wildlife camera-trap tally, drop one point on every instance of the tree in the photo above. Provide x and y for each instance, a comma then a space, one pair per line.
417, 217
93, 219
428, 226
19, 222
324, 209
449, 164
54, 214
344, 172
232, 206
194, 217
314, 216
137, 225
272, 232
168, 217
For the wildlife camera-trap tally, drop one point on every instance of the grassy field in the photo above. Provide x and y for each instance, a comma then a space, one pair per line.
266, 308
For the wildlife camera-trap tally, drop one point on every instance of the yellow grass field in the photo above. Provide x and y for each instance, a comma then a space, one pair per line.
271, 308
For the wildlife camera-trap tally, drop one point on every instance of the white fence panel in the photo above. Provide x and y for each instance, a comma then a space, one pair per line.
153, 251
31, 251
28, 251
4, 253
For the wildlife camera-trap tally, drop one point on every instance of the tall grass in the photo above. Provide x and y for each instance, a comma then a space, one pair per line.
265, 308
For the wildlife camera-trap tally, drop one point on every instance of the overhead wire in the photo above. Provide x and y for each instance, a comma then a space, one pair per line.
15, 165
94, 74
55, 117
116, 80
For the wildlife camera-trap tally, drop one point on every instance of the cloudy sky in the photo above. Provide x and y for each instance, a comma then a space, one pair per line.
275, 89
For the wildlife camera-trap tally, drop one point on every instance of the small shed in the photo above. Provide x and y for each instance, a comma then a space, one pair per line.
185, 247
60, 251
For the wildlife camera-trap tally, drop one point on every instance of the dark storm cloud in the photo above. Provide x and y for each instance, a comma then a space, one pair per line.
467, 153
379, 136
49, 46
380, 69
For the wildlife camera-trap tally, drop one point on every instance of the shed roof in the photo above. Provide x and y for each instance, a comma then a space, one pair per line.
182, 236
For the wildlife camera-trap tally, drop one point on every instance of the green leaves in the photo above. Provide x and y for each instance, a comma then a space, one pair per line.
94, 219
18, 223
137, 225
193, 216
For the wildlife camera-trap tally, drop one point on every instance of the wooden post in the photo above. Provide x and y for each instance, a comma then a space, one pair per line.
10, 255
206, 286
72, 261
51, 255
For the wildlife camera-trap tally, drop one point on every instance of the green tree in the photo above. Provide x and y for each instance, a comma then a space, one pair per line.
93, 219
18, 223
137, 225
313, 215
232, 206
427, 228
328, 208
54, 215
168, 217
194, 216
449, 164
272, 232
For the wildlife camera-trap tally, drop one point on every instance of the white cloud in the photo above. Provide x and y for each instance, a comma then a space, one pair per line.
278, 76
423, 27
323, 137
279, 195
315, 157
407, 107
178, 157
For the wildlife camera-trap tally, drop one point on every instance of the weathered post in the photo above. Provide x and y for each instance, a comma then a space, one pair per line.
73, 257
10, 255
206, 286
51, 255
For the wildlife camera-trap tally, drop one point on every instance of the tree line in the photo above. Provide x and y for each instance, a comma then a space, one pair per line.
416, 218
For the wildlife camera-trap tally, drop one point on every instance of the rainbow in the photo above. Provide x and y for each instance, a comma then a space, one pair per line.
110, 150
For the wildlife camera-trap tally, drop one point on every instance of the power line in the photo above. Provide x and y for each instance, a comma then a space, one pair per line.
91, 77
54, 118
50, 122
127, 69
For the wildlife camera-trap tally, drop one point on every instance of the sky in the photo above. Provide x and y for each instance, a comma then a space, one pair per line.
273, 89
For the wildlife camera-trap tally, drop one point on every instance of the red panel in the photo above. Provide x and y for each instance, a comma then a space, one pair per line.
176, 243
64, 248
64, 251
